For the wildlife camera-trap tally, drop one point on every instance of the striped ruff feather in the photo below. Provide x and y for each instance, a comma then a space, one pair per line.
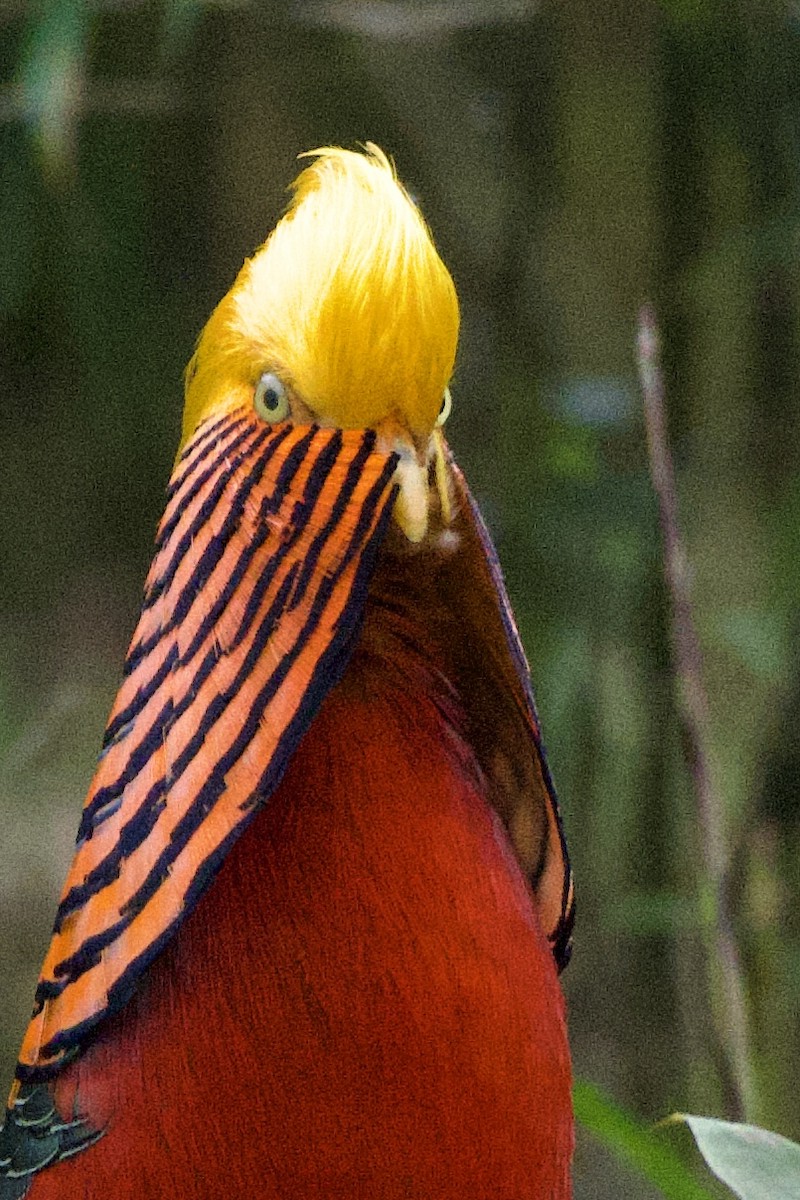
251, 609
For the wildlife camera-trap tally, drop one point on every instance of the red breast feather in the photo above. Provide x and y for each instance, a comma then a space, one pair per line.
364, 1004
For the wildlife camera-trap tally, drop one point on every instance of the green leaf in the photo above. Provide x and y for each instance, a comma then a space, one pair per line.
635, 1144
754, 1163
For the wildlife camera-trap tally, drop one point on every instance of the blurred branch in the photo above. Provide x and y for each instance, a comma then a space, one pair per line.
727, 982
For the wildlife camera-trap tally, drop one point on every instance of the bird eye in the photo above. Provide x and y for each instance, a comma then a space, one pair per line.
447, 404
271, 400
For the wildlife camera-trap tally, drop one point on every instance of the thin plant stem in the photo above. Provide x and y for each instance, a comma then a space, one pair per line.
725, 971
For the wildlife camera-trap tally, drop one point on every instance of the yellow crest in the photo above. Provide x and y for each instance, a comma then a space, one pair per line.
347, 301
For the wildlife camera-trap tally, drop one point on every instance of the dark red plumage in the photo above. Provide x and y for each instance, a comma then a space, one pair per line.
367, 1005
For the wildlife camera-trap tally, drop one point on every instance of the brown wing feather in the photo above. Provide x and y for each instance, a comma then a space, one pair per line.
524, 792
473, 636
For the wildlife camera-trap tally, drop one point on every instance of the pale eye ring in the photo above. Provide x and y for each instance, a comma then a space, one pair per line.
271, 399
447, 404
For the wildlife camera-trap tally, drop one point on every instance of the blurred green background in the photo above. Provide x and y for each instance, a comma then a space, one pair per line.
573, 160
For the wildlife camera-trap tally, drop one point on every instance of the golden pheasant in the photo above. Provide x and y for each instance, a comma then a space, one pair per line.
308, 944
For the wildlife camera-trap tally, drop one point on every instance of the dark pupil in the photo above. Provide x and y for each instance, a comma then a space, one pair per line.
272, 398
442, 405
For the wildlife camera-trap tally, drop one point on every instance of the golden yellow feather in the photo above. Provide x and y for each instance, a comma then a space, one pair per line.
347, 301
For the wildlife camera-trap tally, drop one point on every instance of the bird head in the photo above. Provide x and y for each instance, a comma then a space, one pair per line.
345, 317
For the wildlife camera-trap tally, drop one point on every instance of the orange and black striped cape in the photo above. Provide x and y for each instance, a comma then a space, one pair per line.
270, 563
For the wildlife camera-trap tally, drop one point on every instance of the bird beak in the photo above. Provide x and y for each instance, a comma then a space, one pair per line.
412, 507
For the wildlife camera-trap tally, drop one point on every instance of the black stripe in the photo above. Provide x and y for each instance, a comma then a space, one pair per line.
342, 500
331, 665
218, 543
327, 673
139, 825
105, 798
198, 481
203, 439
206, 565
205, 512
203, 431
368, 509
143, 696
138, 759
297, 522
343, 497
197, 450
88, 953
142, 648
